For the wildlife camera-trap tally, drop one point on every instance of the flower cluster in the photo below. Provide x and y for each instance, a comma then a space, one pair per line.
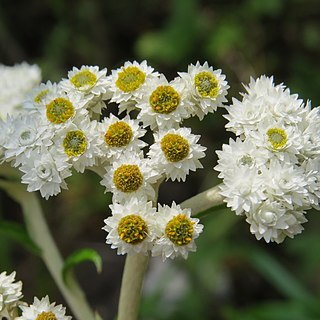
271, 171
11, 303
67, 126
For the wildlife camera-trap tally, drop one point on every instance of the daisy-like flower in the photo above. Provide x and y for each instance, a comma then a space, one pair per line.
273, 222
120, 136
43, 310
15, 83
177, 232
176, 152
127, 83
131, 227
10, 292
46, 172
130, 176
207, 88
162, 105
79, 143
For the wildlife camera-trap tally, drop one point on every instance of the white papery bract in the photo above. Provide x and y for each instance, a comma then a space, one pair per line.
206, 88
176, 152
43, 309
10, 292
176, 232
131, 227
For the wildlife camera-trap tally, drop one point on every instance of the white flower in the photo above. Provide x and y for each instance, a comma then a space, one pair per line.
45, 172
15, 83
127, 83
130, 176
131, 228
273, 222
176, 152
10, 291
43, 309
119, 136
207, 88
177, 232
162, 105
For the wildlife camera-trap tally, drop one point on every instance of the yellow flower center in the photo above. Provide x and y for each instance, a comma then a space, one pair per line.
75, 143
179, 230
130, 79
84, 79
46, 316
119, 134
39, 97
59, 110
277, 138
128, 178
132, 229
207, 84
174, 147
164, 99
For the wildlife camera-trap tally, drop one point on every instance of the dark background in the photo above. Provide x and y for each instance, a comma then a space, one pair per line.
232, 275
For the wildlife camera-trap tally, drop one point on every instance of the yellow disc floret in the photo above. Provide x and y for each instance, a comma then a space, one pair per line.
164, 99
128, 178
119, 134
130, 79
39, 97
277, 138
207, 84
75, 143
59, 110
174, 147
46, 316
179, 230
84, 79
132, 229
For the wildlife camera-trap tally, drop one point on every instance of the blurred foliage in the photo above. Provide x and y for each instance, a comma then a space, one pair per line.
232, 276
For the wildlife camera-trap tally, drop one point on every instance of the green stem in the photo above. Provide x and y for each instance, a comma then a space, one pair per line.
40, 234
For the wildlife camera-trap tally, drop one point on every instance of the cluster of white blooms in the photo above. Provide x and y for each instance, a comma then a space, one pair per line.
11, 303
271, 171
67, 126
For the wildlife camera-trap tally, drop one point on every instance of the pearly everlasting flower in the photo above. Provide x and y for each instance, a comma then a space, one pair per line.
15, 83
176, 152
130, 176
177, 232
45, 172
163, 105
10, 292
207, 88
127, 84
131, 227
43, 309
119, 136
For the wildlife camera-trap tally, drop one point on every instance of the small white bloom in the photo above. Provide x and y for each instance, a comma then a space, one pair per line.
176, 152
43, 309
130, 176
177, 232
207, 88
162, 105
131, 228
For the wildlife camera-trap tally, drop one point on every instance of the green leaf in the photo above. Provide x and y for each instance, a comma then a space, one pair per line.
79, 256
18, 233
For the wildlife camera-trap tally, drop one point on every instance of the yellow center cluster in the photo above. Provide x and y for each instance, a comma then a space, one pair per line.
277, 137
40, 96
75, 143
207, 84
59, 110
174, 147
179, 230
84, 79
128, 178
119, 134
130, 79
164, 99
132, 229
46, 316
